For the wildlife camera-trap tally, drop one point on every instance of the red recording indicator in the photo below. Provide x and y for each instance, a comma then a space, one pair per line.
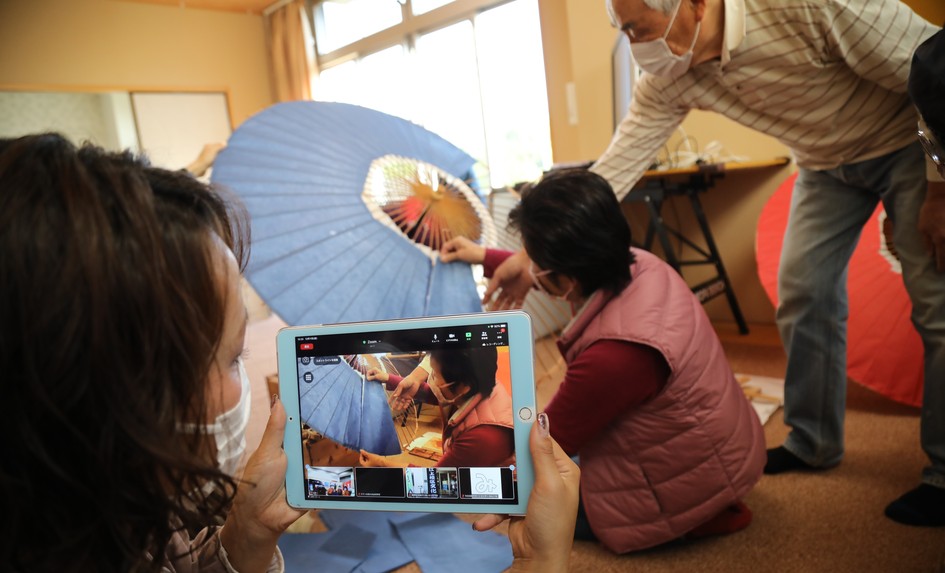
501, 330
306, 346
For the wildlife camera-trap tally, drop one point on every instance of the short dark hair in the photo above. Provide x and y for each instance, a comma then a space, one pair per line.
112, 311
474, 367
571, 223
927, 83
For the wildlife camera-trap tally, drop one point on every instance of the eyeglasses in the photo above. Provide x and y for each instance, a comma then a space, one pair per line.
931, 145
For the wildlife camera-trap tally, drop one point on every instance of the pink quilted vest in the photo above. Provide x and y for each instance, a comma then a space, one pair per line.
676, 461
495, 410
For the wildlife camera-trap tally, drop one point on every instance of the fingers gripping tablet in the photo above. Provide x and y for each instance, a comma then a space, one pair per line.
426, 414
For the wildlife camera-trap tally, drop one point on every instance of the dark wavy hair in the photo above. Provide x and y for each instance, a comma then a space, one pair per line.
571, 224
111, 313
474, 367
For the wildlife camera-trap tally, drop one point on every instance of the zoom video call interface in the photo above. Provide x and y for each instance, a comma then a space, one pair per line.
421, 416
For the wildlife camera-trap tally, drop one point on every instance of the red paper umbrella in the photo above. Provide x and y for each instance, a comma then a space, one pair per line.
884, 351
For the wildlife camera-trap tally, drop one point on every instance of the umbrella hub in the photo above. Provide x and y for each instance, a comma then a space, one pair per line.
424, 204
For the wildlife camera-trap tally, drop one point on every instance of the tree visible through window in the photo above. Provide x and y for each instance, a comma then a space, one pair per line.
471, 71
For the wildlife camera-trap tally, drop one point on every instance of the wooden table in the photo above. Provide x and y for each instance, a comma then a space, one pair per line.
656, 186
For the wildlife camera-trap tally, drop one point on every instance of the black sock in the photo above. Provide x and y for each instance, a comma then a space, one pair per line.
923, 506
780, 460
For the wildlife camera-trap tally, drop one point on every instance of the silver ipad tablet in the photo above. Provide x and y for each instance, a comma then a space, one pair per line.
426, 414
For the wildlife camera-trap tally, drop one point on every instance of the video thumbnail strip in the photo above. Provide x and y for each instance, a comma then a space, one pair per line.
412, 483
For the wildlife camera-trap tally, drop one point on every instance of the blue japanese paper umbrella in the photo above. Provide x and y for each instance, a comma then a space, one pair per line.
348, 208
337, 402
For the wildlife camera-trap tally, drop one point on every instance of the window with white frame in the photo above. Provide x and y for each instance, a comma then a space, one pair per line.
471, 71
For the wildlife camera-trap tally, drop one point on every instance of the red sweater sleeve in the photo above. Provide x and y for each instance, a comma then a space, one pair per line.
482, 446
392, 381
606, 380
494, 258
423, 392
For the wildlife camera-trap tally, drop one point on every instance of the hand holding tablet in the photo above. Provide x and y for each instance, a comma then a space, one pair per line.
541, 541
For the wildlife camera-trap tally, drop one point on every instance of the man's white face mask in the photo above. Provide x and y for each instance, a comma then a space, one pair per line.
656, 58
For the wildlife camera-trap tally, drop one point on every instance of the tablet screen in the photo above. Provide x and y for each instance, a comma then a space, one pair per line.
421, 416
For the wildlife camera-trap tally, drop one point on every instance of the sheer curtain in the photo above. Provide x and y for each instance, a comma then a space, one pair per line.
288, 52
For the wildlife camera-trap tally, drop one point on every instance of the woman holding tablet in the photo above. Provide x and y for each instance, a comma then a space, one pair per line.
122, 327
477, 411
668, 444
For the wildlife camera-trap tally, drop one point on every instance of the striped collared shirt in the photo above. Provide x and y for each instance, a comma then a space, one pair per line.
827, 78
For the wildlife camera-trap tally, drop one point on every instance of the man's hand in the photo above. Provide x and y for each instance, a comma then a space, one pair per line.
462, 249
205, 160
510, 283
932, 223
541, 541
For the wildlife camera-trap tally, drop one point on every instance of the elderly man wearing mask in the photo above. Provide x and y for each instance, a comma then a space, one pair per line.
827, 78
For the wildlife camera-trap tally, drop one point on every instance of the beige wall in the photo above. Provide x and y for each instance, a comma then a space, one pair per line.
931, 10
733, 206
117, 45
557, 54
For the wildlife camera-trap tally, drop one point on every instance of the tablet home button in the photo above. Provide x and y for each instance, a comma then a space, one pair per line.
525, 414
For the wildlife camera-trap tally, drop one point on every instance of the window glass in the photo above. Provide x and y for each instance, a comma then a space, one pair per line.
447, 87
479, 83
337, 83
424, 6
341, 22
387, 82
514, 96
380, 81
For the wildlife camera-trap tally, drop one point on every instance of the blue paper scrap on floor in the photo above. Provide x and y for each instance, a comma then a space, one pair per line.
339, 550
387, 540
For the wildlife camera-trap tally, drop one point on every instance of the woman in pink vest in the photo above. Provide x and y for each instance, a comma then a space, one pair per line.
477, 412
668, 444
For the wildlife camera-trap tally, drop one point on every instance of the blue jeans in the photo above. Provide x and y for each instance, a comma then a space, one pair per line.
828, 211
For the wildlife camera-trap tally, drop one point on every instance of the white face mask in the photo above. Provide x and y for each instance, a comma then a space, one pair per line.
433, 383
656, 58
229, 428
541, 287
